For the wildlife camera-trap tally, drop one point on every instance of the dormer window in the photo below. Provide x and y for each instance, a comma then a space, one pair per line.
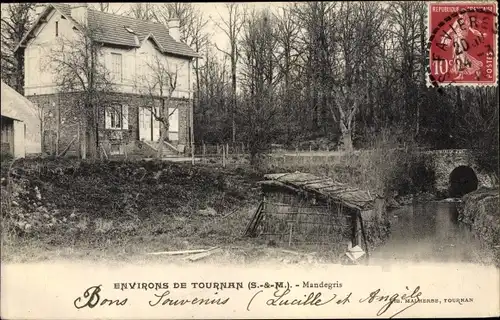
129, 30
57, 28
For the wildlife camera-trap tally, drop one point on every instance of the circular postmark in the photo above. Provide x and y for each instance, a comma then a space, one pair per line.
462, 44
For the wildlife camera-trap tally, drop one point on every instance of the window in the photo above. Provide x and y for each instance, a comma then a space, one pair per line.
116, 66
57, 28
117, 117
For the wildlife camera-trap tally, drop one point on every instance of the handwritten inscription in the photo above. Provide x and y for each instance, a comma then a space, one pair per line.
91, 299
270, 295
164, 299
390, 299
280, 296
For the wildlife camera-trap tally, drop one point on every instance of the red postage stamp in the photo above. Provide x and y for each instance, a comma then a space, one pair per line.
462, 46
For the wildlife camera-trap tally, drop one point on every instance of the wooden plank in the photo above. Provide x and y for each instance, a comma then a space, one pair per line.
180, 252
202, 255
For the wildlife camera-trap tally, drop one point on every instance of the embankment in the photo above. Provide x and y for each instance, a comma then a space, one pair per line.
96, 205
480, 211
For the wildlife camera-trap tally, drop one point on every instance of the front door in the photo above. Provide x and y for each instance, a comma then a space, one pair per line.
149, 127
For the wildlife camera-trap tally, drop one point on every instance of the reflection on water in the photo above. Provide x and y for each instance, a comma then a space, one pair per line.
429, 232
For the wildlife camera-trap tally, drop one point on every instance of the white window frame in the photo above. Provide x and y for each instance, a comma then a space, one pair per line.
111, 114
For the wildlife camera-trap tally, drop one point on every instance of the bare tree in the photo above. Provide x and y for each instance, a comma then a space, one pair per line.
143, 11
77, 65
192, 25
106, 7
232, 27
16, 21
214, 99
43, 114
288, 56
357, 37
405, 20
259, 81
157, 85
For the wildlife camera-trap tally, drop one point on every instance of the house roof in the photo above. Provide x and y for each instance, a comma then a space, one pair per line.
16, 106
326, 187
111, 29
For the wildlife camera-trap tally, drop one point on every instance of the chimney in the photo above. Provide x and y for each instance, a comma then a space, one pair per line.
174, 29
79, 12
39, 9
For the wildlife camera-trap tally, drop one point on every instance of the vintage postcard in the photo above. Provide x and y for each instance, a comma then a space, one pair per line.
260, 160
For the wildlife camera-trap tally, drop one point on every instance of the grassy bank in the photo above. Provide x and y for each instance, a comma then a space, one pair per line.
139, 206
389, 172
124, 209
67, 207
479, 211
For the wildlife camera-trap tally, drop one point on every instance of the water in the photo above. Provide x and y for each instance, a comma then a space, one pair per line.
429, 232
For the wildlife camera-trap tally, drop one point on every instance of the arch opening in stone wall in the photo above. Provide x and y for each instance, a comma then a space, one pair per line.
462, 180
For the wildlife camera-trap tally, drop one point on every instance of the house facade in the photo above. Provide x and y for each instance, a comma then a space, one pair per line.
130, 51
20, 125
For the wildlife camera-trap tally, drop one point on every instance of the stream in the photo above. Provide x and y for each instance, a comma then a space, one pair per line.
429, 232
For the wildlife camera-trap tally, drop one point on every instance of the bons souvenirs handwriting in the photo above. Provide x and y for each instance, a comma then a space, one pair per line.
266, 295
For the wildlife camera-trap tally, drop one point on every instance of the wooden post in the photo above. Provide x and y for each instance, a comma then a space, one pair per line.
204, 150
58, 126
290, 235
242, 148
223, 158
227, 149
79, 148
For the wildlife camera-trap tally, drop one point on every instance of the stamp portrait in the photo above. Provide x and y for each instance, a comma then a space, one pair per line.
462, 44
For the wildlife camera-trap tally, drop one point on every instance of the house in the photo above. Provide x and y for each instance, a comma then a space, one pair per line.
301, 208
127, 125
20, 124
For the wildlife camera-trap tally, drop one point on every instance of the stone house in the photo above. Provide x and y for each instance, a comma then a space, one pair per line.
20, 125
126, 126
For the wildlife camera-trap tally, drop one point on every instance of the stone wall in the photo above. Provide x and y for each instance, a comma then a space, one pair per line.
64, 107
445, 161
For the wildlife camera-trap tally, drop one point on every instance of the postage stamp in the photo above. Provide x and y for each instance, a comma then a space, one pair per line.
462, 45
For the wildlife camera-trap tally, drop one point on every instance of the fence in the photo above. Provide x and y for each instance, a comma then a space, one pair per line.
286, 220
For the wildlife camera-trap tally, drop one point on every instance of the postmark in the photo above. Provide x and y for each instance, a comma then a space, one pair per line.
462, 46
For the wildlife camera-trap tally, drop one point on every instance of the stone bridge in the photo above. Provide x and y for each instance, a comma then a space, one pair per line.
456, 172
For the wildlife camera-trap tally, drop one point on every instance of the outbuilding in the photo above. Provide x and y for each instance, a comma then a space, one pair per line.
20, 125
301, 209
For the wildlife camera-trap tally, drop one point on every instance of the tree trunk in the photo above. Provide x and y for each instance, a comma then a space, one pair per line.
233, 104
346, 138
92, 145
164, 126
161, 141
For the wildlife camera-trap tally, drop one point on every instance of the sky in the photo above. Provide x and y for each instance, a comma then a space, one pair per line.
213, 11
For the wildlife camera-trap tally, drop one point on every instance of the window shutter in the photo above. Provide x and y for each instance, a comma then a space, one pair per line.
125, 116
108, 119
